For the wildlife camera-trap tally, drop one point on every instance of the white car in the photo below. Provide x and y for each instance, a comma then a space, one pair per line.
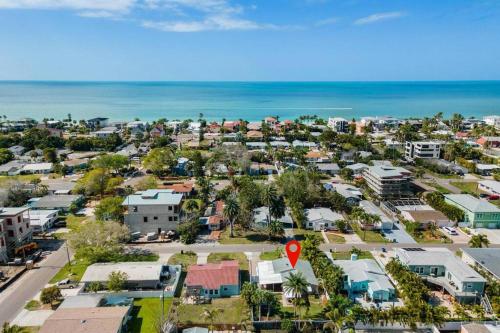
450, 231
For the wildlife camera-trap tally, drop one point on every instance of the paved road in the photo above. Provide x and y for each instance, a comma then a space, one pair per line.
13, 299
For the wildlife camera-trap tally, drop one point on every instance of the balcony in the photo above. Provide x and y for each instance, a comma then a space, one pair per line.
451, 288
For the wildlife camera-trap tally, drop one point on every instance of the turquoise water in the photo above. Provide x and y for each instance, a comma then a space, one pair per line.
247, 100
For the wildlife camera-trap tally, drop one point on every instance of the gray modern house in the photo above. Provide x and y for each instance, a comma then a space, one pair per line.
153, 211
441, 268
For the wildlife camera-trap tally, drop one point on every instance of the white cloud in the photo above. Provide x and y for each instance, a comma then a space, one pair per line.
210, 23
103, 5
327, 21
377, 17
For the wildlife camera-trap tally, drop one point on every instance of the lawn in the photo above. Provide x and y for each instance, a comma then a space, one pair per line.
243, 237
300, 234
469, 187
4, 180
33, 305
368, 236
73, 222
185, 259
146, 313
438, 187
232, 310
335, 238
347, 255
427, 237
240, 256
77, 269
271, 255
314, 310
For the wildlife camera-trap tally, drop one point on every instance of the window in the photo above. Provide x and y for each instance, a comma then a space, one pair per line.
134, 209
2, 243
145, 219
310, 224
155, 217
225, 288
20, 230
216, 292
169, 207
27, 225
419, 270
175, 218
469, 286
10, 233
9, 221
19, 219
211, 292
170, 218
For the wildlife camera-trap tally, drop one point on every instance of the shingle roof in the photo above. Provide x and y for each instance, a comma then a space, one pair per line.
213, 276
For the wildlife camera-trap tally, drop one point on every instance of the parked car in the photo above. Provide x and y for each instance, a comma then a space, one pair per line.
66, 284
493, 197
450, 231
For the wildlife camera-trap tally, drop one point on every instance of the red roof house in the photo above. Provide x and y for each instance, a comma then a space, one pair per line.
213, 280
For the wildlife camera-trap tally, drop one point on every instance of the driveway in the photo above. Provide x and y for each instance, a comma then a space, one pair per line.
492, 234
461, 238
399, 234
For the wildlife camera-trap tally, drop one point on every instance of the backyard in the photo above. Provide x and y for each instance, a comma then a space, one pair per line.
231, 311
368, 236
146, 314
469, 187
184, 259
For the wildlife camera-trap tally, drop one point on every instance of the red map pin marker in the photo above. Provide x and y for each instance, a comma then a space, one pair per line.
293, 251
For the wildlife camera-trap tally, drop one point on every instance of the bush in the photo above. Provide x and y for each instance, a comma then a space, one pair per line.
50, 295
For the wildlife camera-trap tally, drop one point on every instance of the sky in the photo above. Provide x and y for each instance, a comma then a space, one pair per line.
244, 40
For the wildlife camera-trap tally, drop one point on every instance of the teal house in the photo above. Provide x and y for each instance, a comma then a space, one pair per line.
365, 277
478, 213
213, 280
445, 271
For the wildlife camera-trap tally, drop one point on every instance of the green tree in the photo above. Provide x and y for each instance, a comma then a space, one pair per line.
211, 315
7, 328
191, 206
50, 295
111, 162
231, 210
147, 183
50, 155
296, 286
117, 281
479, 240
110, 208
188, 231
5, 155
347, 174
159, 161
341, 225
276, 229
95, 287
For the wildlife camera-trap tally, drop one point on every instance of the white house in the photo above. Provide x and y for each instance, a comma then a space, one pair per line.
321, 218
41, 220
489, 186
43, 168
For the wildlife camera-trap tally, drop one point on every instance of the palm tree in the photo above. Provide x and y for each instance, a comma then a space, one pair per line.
479, 240
7, 328
296, 285
269, 195
231, 210
276, 229
211, 315
191, 206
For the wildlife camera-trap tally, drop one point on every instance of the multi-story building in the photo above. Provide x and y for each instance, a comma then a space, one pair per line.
388, 182
3, 245
153, 210
422, 149
339, 125
16, 228
492, 120
442, 268
478, 213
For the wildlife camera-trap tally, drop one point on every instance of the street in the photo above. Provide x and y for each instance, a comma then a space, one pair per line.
13, 299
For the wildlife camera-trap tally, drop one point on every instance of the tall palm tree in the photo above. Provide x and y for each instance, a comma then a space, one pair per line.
296, 285
211, 315
269, 195
231, 210
7, 328
191, 206
276, 229
479, 240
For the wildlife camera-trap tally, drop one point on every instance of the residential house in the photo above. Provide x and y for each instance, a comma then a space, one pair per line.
99, 122
422, 150
260, 217
386, 223
427, 217
254, 135
479, 328
76, 164
157, 132
16, 229
351, 193
59, 186
321, 218
489, 186
3, 244
485, 259
357, 168
254, 126
365, 277
331, 169
213, 280
256, 145
231, 126
478, 213
62, 203
493, 120
489, 141
11, 168
154, 210
271, 274
37, 168
17, 150
105, 319
186, 189
41, 220
105, 132
261, 169
388, 182
182, 167
315, 156
304, 144
140, 275
486, 169
338, 124
440, 267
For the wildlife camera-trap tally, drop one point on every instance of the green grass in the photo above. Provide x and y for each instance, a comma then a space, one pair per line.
469, 187
73, 272
240, 256
271, 255
185, 259
346, 255
300, 234
232, 310
444, 176
438, 187
4, 180
146, 313
314, 310
32, 329
243, 237
426, 237
334, 238
368, 236
73, 222
33, 305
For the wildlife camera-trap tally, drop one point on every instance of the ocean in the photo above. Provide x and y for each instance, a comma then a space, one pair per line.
246, 100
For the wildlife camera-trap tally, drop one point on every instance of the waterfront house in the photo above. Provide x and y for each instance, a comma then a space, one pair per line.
98, 122
213, 280
365, 277
478, 213
153, 210
441, 268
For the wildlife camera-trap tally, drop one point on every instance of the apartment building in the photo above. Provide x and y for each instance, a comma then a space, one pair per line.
154, 210
3, 245
388, 182
16, 228
422, 149
339, 125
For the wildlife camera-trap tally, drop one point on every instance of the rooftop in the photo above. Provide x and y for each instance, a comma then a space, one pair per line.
488, 258
321, 213
153, 197
384, 171
472, 203
276, 271
136, 271
213, 276
365, 270
55, 201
